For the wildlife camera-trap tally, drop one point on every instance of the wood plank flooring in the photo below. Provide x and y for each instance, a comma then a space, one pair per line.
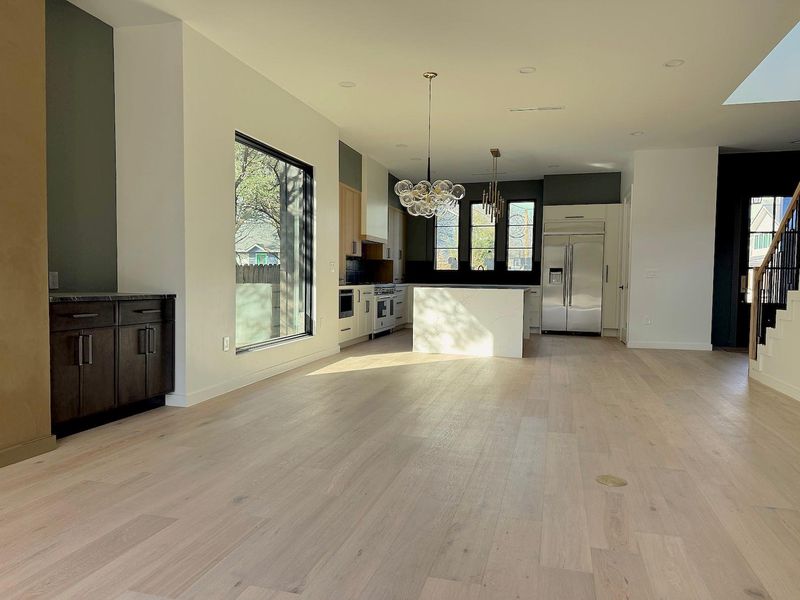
383, 474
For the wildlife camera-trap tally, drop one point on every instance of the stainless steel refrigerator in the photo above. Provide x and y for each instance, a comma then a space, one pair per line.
572, 278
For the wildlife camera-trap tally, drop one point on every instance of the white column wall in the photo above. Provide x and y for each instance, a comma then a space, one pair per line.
672, 248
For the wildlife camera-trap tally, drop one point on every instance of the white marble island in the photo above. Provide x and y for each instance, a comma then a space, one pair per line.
476, 321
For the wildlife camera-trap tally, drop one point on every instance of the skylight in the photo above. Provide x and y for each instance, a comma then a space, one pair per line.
777, 78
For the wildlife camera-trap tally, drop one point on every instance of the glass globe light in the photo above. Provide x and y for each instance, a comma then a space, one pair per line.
458, 192
403, 187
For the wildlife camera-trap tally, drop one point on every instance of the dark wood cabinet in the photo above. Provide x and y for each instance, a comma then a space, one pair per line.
146, 359
109, 358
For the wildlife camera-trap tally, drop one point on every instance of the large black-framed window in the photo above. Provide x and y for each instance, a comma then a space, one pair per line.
521, 235
273, 246
445, 240
482, 238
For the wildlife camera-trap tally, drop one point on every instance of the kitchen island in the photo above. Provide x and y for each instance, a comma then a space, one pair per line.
475, 321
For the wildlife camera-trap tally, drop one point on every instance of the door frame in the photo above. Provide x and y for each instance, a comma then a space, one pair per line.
624, 266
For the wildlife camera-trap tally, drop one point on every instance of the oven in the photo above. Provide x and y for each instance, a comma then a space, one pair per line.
384, 309
345, 303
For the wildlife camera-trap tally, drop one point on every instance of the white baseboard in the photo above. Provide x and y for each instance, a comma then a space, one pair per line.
186, 400
669, 346
776, 384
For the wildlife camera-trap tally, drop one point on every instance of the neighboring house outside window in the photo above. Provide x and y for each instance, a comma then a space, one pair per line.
482, 240
446, 240
521, 234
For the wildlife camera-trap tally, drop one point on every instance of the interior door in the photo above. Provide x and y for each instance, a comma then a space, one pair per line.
624, 268
585, 285
554, 282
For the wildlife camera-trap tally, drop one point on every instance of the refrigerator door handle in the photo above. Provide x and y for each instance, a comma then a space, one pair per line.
570, 274
564, 276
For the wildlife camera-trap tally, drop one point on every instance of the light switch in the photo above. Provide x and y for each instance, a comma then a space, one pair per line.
226, 343
52, 280
332, 266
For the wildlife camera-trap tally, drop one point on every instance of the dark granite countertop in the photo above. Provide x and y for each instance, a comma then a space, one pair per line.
105, 296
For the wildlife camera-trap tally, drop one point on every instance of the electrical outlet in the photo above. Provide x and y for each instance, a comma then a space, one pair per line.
648, 321
651, 273
226, 343
332, 266
52, 280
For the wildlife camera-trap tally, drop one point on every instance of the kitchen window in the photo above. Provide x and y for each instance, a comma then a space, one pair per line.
272, 245
446, 240
483, 235
521, 235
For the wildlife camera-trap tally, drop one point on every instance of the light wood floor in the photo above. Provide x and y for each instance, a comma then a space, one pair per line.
382, 474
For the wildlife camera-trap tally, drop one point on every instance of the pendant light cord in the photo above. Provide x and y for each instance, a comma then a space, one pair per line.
430, 85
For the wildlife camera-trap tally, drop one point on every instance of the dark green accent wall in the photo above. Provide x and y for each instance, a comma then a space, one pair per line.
582, 188
349, 166
81, 163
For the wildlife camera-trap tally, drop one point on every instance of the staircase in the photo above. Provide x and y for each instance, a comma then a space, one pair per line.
775, 311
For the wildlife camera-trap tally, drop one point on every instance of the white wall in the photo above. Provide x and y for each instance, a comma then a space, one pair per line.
219, 95
149, 134
672, 248
223, 95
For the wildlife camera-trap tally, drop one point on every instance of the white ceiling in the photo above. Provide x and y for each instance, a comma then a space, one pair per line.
602, 60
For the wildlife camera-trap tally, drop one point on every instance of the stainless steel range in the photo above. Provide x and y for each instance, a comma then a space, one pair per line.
384, 307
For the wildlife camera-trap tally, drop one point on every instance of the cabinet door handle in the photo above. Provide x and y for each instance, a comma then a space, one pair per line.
142, 341
90, 360
148, 311
84, 315
401, 254
367, 311
606, 273
80, 350
354, 247
151, 340
345, 329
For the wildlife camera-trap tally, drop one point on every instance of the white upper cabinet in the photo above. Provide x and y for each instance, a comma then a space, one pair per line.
374, 201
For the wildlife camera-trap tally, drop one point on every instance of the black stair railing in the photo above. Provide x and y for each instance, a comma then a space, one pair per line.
779, 272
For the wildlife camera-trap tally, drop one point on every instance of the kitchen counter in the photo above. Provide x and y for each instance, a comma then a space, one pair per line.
471, 320
479, 286
105, 296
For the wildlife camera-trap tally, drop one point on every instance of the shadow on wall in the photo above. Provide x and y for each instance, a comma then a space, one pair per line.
444, 325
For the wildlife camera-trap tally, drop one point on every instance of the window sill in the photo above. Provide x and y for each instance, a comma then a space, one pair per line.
273, 343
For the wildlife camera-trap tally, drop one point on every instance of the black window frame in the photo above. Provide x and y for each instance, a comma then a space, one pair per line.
306, 249
470, 248
508, 235
457, 247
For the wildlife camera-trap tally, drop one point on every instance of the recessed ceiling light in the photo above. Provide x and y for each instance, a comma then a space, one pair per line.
674, 63
537, 108
636, 133
347, 84
401, 145
527, 70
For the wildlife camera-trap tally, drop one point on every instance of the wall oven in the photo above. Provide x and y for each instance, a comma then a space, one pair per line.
345, 303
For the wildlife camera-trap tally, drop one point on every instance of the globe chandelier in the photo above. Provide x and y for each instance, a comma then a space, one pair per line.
428, 199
